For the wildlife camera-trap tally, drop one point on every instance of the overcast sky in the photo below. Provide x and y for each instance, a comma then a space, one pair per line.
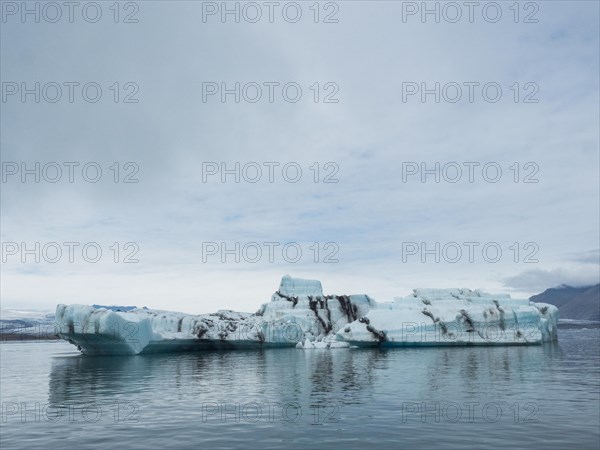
369, 130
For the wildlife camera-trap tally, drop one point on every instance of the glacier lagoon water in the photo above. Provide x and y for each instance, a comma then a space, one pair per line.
465, 397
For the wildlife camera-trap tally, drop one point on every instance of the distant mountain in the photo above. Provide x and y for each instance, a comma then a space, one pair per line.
581, 303
16, 325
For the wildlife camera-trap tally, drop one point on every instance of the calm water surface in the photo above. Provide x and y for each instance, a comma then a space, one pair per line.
470, 397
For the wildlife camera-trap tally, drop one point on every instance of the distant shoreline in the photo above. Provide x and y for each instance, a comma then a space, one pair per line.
577, 323
27, 337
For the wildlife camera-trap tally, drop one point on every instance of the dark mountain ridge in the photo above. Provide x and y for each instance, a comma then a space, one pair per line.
581, 303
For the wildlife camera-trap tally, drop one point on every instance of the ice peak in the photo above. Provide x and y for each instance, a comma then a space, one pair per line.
298, 286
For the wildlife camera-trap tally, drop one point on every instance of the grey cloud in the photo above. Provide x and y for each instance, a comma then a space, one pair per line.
538, 280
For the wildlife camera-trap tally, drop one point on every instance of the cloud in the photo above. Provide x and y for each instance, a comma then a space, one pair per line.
590, 257
538, 280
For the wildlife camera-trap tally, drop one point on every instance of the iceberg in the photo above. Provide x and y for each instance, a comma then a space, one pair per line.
300, 315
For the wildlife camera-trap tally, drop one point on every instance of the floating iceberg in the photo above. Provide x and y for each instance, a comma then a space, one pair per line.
300, 315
